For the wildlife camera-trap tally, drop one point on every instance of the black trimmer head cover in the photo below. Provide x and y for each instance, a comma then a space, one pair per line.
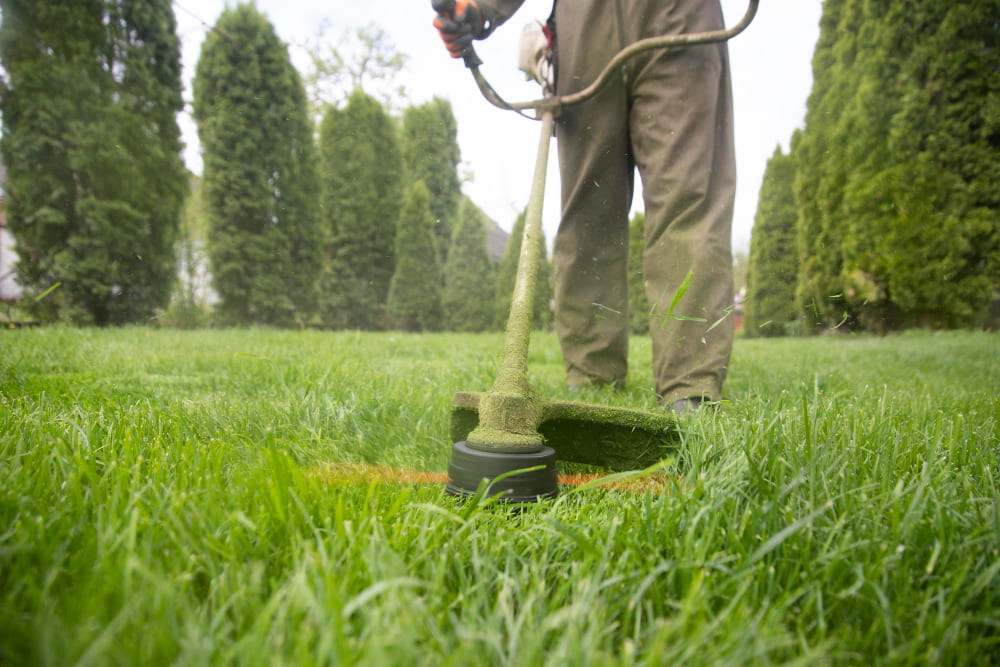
469, 465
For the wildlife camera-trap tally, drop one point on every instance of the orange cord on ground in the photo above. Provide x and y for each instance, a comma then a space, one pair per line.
354, 473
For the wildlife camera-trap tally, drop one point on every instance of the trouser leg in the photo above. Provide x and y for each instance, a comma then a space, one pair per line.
682, 139
673, 118
591, 247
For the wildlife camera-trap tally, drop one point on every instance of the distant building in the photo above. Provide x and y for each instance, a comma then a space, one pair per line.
10, 290
740, 299
496, 239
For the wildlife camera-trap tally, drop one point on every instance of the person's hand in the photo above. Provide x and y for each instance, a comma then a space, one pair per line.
458, 22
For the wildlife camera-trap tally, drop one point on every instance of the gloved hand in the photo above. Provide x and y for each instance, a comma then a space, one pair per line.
459, 22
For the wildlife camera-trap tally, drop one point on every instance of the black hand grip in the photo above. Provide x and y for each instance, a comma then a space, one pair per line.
471, 58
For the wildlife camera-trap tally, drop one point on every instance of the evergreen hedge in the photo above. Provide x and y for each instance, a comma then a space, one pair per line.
431, 154
361, 176
468, 274
898, 208
770, 308
923, 212
260, 182
638, 301
95, 181
542, 315
414, 302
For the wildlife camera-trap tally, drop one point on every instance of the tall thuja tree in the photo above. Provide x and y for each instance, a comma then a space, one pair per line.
770, 308
361, 180
924, 242
261, 191
506, 274
468, 274
820, 183
541, 317
95, 181
414, 302
638, 302
431, 154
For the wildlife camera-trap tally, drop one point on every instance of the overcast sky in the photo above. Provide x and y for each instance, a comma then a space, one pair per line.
771, 79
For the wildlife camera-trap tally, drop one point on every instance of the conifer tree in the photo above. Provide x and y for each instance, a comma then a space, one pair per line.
361, 175
638, 302
507, 274
542, 315
923, 212
260, 182
898, 165
819, 188
95, 181
770, 308
431, 154
468, 274
414, 302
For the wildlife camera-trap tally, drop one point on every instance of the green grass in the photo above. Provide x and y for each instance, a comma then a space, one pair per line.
157, 504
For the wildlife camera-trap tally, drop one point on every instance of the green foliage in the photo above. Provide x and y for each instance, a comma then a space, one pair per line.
361, 176
95, 181
924, 212
415, 290
770, 308
431, 154
638, 302
468, 274
363, 58
899, 216
260, 181
826, 163
507, 273
541, 313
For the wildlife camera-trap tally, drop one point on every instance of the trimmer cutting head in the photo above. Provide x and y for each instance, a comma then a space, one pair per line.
615, 438
470, 465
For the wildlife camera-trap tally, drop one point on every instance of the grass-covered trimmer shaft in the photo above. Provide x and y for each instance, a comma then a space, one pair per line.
510, 427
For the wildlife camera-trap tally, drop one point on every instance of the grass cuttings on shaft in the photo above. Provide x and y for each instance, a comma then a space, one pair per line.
156, 506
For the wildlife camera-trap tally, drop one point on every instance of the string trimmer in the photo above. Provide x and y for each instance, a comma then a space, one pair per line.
511, 428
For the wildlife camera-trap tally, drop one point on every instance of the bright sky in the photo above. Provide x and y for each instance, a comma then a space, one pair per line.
771, 70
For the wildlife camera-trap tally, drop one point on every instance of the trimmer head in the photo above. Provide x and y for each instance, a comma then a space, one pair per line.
615, 438
470, 465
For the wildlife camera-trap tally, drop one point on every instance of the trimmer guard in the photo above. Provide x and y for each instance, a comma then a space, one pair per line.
615, 438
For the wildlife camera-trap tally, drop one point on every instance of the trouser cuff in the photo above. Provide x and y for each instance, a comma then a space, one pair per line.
680, 393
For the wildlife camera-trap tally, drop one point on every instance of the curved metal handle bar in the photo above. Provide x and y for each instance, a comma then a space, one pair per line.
667, 41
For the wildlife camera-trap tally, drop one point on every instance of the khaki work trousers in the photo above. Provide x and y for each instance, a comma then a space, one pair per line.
669, 114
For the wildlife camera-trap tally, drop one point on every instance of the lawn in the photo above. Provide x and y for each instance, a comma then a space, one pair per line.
163, 498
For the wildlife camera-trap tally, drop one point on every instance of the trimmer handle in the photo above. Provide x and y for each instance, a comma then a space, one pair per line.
446, 10
470, 57
473, 62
